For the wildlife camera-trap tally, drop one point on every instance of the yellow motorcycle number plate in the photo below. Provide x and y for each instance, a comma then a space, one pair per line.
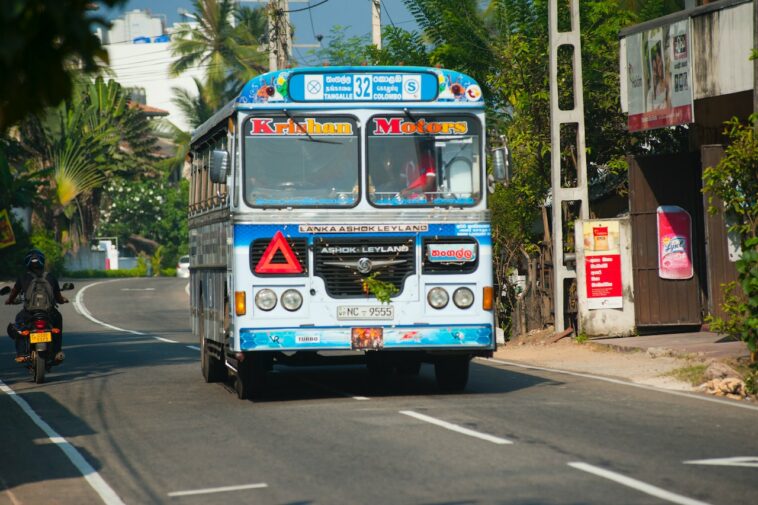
36, 338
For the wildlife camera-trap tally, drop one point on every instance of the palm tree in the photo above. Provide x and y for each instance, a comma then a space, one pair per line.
228, 54
86, 140
195, 106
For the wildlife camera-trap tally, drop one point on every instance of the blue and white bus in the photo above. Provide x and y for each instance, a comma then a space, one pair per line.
342, 209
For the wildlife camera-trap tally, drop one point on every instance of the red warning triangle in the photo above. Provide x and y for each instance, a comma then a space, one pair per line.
278, 244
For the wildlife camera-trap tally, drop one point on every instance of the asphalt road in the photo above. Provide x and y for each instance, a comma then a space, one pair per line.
128, 419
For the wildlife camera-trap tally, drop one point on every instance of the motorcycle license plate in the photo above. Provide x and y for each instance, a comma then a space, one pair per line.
44, 336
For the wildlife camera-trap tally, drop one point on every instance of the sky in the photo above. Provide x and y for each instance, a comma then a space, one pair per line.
354, 14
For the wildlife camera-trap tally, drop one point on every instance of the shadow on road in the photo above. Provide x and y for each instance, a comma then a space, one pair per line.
28, 455
324, 382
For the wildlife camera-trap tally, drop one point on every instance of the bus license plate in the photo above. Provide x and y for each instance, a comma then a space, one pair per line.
355, 312
37, 338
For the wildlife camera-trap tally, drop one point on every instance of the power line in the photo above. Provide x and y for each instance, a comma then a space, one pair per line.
322, 2
313, 30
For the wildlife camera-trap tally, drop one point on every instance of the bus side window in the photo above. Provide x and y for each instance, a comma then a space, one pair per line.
194, 196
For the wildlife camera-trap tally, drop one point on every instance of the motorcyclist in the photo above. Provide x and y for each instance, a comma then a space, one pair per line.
35, 267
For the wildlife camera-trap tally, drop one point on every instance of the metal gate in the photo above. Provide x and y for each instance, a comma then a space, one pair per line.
655, 181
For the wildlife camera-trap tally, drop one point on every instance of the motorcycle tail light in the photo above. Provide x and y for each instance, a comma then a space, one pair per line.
40, 325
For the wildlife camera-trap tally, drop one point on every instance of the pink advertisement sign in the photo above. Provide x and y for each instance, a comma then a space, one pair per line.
674, 243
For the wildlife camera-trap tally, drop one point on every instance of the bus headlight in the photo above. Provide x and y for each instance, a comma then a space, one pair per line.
292, 299
463, 298
437, 298
265, 299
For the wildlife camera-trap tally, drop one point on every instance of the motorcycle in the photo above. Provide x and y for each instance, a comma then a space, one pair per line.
39, 331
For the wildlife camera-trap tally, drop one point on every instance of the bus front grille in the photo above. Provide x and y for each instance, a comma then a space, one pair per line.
342, 263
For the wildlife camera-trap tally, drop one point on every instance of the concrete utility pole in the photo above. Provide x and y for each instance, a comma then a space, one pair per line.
279, 31
559, 117
376, 23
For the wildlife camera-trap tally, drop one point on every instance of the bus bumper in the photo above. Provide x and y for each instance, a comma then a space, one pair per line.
426, 337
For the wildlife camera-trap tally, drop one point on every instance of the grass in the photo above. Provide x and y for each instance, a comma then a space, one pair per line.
691, 374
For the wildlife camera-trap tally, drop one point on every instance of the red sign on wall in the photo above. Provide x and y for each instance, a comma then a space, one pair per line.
603, 276
602, 265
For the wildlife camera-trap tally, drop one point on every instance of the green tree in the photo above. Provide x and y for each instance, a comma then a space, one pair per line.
42, 43
78, 145
734, 181
195, 106
341, 50
228, 54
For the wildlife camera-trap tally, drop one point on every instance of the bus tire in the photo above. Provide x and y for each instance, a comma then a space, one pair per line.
451, 373
213, 368
249, 379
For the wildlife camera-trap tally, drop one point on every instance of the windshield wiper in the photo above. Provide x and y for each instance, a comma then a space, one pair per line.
310, 137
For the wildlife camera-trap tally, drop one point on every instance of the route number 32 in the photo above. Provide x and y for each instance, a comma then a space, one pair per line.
362, 87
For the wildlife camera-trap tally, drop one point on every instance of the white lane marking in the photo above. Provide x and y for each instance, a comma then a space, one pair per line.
746, 461
94, 479
691, 396
361, 398
81, 309
636, 484
193, 347
218, 489
169, 341
455, 427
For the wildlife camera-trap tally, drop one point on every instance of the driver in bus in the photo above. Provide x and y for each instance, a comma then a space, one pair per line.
422, 178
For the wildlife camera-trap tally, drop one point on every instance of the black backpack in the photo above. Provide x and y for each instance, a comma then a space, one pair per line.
39, 295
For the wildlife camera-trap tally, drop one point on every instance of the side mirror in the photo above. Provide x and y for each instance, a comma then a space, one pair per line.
503, 164
67, 286
5, 290
219, 165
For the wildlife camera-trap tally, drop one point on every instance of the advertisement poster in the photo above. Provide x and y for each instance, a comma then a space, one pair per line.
602, 265
660, 77
7, 238
674, 243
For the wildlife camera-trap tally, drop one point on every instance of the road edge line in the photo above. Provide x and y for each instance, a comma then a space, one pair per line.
82, 309
92, 477
619, 382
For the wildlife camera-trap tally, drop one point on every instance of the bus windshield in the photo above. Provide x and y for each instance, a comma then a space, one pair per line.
423, 161
304, 161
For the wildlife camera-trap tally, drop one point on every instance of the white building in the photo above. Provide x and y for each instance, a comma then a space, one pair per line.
133, 25
139, 53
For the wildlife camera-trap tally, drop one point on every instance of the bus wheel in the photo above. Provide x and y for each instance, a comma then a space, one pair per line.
451, 372
249, 380
213, 368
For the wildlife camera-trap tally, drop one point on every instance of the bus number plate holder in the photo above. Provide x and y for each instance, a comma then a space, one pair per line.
360, 312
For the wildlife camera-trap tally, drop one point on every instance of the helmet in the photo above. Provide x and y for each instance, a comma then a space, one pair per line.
34, 259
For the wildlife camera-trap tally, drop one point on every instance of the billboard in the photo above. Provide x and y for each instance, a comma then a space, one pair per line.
659, 73
674, 243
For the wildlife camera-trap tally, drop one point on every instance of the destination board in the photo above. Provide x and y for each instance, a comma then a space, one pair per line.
363, 87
